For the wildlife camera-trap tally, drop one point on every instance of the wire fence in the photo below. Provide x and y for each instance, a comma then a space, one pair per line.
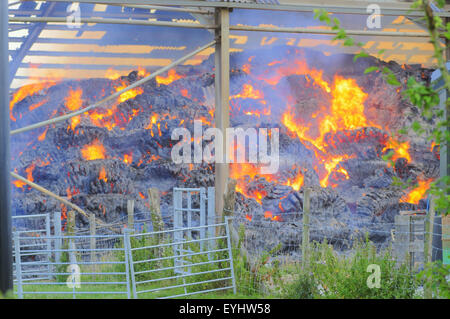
161, 264
275, 253
269, 253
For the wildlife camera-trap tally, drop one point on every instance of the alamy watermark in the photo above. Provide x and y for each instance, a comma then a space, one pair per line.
374, 280
235, 150
374, 19
73, 19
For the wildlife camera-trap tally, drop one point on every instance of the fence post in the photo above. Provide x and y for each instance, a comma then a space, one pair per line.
58, 238
202, 216
71, 232
49, 243
230, 251
130, 212
126, 239
428, 251
305, 235
18, 265
155, 209
157, 222
93, 241
129, 253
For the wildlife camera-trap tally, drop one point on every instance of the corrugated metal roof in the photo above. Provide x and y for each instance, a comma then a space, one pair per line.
93, 50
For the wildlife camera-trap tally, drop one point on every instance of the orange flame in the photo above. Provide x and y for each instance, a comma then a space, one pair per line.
102, 175
25, 91
93, 151
418, 192
171, 76
74, 102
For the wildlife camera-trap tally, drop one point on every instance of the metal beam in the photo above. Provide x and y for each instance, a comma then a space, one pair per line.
222, 108
112, 96
114, 21
6, 281
330, 32
343, 8
27, 44
233, 27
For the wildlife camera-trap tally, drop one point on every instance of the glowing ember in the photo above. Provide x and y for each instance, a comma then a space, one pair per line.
73, 102
93, 151
130, 94
102, 175
171, 76
128, 158
400, 150
37, 105
418, 192
248, 92
25, 91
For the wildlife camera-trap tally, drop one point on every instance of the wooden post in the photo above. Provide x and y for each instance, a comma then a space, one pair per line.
57, 231
222, 108
229, 198
130, 212
92, 232
92, 241
155, 209
428, 251
71, 223
71, 232
305, 239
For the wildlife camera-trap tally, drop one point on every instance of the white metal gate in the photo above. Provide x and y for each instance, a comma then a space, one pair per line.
192, 207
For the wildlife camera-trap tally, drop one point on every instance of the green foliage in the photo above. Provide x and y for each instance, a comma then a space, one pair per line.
62, 268
436, 277
332, 276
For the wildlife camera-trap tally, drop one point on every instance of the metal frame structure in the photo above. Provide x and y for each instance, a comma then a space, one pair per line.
222, 86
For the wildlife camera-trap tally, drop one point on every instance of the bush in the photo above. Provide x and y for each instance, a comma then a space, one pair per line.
333, 276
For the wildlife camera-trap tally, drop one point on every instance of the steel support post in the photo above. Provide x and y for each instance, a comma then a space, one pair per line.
222, 93
6, 281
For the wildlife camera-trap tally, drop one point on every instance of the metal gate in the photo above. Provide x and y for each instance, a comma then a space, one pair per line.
31, 229
156, 270
103, 278
191, 207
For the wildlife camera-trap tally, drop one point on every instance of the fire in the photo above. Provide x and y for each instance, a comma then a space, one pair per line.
269, 215
25, 91
346, 112
248, 92
37, 105
112, 74
143, 72
400, 149
42, 136
296, 182
130, 94
298, 68
171, 76
29, 170
93, 151
418, 192
102, 175
128, 158
73, 102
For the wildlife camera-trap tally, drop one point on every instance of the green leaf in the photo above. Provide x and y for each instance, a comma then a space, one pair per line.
371, 69
349, 42
416, 126
361, 54
392, 80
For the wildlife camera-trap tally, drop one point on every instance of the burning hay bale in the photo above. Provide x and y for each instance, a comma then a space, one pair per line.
336, 124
